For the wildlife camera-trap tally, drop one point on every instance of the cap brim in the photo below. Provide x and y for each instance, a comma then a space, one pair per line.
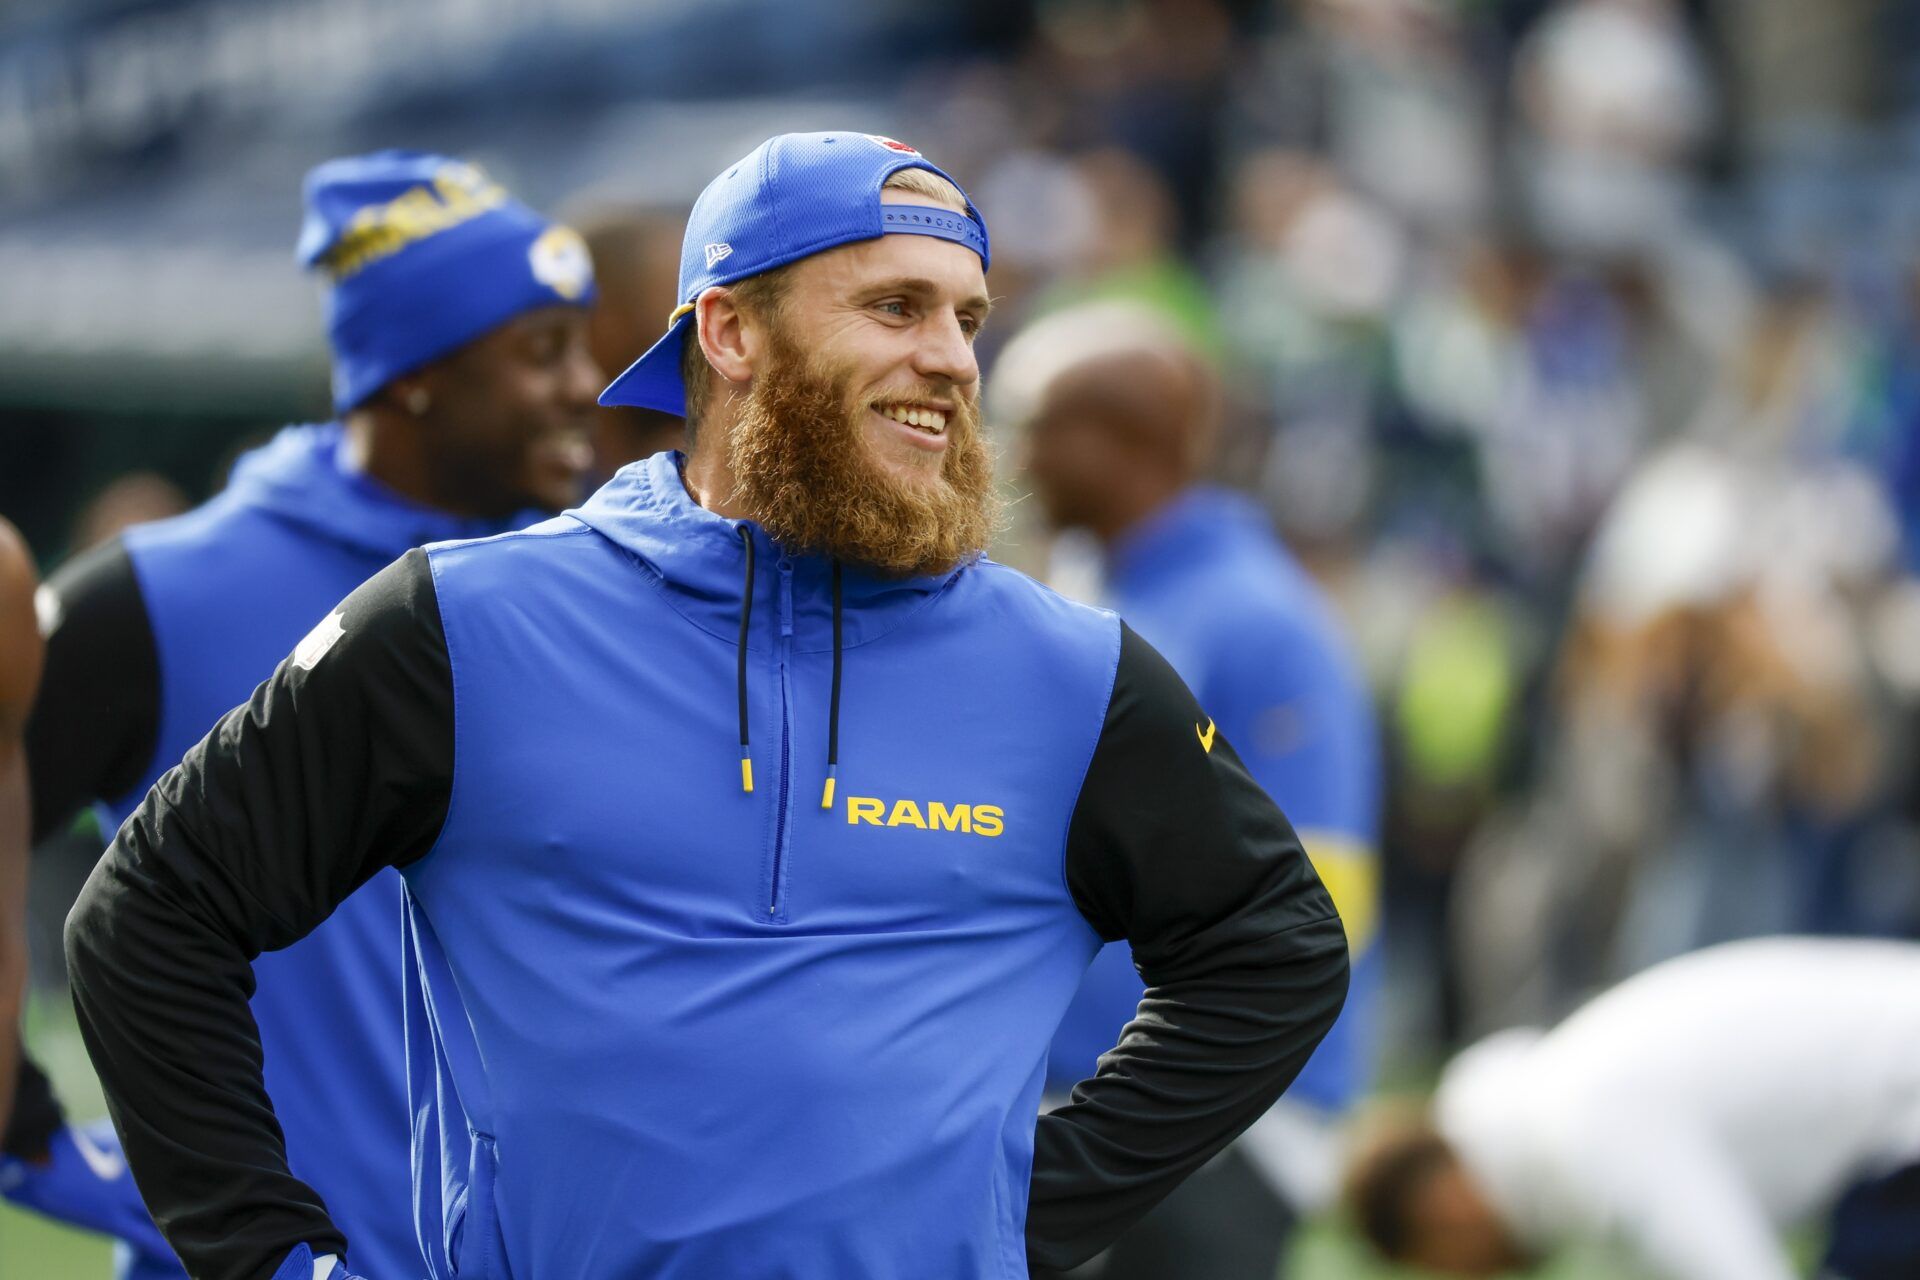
653, 381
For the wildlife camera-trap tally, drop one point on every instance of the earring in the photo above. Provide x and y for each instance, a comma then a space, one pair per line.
419, 400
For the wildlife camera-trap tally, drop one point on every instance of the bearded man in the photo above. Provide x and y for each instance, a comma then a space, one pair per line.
673, 1014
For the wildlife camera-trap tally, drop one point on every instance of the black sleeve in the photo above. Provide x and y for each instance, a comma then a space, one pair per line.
339, 765
96, 719
1174, 847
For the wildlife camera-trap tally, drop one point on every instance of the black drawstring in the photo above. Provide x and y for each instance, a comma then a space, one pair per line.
833, 712
746, 617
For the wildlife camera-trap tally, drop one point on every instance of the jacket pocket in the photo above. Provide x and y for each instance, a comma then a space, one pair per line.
474, 1244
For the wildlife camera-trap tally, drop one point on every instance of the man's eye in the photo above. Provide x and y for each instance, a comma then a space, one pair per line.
894, 308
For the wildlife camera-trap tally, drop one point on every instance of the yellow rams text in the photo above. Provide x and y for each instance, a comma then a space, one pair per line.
975, 819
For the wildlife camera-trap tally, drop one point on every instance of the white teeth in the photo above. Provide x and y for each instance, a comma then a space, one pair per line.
930, 420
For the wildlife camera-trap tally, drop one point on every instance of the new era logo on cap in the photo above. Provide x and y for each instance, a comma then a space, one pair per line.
893, 144
717, 252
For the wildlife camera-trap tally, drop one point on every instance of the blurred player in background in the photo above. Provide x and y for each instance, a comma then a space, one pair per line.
1120, 413
756, 831
464, 391
1693, 1113
636, 266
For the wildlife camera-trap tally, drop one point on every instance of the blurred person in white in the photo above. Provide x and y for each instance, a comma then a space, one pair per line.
1692, 1115
1119, 413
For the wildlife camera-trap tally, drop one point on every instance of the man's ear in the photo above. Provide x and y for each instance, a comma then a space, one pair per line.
731, 340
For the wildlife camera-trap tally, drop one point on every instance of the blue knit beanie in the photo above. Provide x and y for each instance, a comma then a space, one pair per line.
423, 254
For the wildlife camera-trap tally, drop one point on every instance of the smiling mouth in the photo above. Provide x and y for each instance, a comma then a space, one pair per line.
927, 421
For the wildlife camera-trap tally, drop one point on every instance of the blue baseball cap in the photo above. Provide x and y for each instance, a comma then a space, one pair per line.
423, 253
791, 197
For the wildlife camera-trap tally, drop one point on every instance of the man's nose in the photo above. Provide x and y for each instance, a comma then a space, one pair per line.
944, 351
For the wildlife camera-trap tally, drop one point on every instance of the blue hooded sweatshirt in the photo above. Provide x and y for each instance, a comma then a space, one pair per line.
744, 892
229, 587
1207, 583
881, 937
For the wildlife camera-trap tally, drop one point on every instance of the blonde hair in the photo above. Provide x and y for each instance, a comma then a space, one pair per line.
925, 182
763, 295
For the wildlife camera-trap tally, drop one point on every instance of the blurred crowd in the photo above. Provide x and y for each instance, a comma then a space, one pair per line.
1573, 344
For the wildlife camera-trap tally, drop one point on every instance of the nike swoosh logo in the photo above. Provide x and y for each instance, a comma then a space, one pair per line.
105, 1165
1206, 737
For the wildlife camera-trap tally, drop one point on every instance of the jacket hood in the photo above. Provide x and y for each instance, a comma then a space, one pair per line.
302, 476
701, 558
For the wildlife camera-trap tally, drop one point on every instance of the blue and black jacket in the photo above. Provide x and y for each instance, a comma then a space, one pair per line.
155, 636
744, 892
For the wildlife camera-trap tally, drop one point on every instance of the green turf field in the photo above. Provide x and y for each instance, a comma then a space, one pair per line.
33, 1247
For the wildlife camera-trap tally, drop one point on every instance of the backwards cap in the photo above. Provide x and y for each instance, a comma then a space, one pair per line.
793, 196
423, 254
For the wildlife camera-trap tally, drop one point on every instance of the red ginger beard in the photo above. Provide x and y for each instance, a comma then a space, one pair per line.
802, 467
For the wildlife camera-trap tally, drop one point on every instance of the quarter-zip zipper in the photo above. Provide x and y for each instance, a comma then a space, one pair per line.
783, 797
